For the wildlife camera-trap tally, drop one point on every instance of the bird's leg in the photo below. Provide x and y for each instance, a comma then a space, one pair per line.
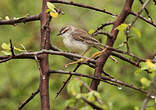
78, 61
95, 54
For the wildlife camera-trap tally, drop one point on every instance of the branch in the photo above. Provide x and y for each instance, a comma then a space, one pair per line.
143, 18
68, 79
146, 11
20, 20
125, 59
101, 27
110, 41
12, 49
29, 99
103, 79
104, 33
44, 63
142, 8
83, 6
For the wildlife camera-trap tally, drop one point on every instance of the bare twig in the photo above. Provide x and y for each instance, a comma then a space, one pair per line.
101, 27
31, 55
12, 49
104, 33
29, 99
68, 79
143, 18
20, 20
103, 79
83, 6
146, 11
125, 59
126, 42
110, 42
142, 8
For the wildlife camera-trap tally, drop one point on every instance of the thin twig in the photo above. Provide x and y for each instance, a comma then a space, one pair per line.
146, 11
101, 27
104, 33
127, 38
20, 20
68, 79
92, 104
28, 99
103, 79
125, 59
82, 5
12, 48
143, 18
142, 8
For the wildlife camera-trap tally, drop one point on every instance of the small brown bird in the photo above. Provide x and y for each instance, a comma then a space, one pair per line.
78, 40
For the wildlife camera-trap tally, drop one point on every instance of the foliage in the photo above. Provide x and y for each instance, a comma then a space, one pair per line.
20, 78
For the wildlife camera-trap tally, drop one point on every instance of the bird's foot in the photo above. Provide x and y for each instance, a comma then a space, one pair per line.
75, 62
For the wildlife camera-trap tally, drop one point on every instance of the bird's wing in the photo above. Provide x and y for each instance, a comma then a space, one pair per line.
83, 36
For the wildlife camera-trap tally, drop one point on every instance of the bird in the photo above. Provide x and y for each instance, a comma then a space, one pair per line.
78, 40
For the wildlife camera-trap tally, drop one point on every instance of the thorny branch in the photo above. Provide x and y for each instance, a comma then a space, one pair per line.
83, 6
68, 79
147, 12
40, 55
72, 56
103, 79
20, 20
143, 7
110, 41
29, 99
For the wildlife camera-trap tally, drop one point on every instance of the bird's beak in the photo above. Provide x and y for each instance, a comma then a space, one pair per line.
58, 34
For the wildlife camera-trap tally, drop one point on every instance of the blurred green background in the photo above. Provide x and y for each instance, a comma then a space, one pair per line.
19, 78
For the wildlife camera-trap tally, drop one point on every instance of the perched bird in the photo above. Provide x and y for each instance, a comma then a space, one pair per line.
78, 40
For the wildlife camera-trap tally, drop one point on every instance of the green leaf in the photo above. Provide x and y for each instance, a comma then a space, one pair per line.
136, 31
23, 47
145, 82
51, 6
148, 65
78, 96
86, 108
48, 10
73, 87
122, 27
143, 66
150, 108
91, 98
97, 94
18, 49
5, 46
54, 14
70, 102
91, 31
6, 52
136, 108
137, 72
